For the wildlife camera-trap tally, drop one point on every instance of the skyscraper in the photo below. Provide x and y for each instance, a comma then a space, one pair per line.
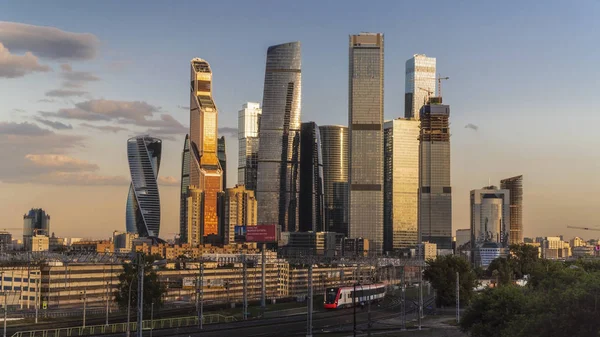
515, 186
401, 183
435, 193
222, 155
311, 212
420, 84
334, 143
205, 169
185, 184
365, 120
248, 122
490, 213
279, 148
143, 202
240, 209
35, 222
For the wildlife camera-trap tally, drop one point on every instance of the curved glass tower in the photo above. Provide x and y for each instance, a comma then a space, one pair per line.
279, 149
334, 144
143, 201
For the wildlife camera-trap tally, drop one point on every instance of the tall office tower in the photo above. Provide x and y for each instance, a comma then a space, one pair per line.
205, 169
401, 183
334, 144
435, 193
490, 214
143, 202
222, 155
365, 121
248, 122
515, 186
279, 148
185, 184
194, 217
35, 222
311, 210
420, 84
240, 209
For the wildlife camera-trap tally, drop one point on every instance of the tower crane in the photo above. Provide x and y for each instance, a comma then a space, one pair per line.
429, 93
439, 80
584, 228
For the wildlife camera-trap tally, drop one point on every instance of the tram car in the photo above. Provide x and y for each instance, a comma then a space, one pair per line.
344, 297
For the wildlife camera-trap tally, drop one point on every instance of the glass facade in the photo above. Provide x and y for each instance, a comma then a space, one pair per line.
248, 122
435, 192
185, 183
490, 214
222, 155
279, 149
401, 183
143, 202
36, 221
515, 186
420, 84
205, 168
311, 212
334, 144
365, 120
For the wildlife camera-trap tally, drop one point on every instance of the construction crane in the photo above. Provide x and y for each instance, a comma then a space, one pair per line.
429, 93
585, 228
439, 80
11, 229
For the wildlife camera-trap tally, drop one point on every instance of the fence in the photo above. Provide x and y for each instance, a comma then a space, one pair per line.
165, 323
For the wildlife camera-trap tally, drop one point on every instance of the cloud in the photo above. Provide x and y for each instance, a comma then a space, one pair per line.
472, 127
126, 111
78, 178
109, 128
183, 107
65, 93
21, 111
168, 181
75, 113
12, 66
61, 162
54, 125
48, 42
76, 79
45, 100
228, 131
22, 129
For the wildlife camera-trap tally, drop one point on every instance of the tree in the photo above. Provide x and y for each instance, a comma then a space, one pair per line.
441, 272
502, 269
153, 289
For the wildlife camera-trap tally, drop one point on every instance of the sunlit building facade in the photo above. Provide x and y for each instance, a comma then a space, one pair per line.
143, 202
240, 209
401, 183
311, 212
420, 84
279, 149
248, 122
365, 121
205, 168
515, 186
435, 191
334, 144
35, 222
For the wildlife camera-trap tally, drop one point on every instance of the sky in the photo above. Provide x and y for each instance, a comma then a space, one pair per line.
77, 79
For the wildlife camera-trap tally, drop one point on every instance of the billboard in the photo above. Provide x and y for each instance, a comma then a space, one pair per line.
240, 230
261, 233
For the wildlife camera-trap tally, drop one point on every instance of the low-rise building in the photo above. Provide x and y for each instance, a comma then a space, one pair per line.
101, 246
583, 251
38, 243
123, 241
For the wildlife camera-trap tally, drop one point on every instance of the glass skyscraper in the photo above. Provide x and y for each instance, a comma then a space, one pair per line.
401, 183
222, 155
248, 122
490, 214
205, 168
365, 120
185, 184
334, 143
435, 192
36, 221
279, 149
515, 186
311, 212
143, 202
420, 84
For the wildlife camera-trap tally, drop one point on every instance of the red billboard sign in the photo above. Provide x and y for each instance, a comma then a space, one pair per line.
261, 233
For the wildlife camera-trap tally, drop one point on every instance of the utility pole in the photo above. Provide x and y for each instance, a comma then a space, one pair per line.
263, 301
84, 304
5, 310
140, 299
151, 318
403, 302
128, 329
107, 298
369, 316
201, 312
37, 293
245, 286
420, 313
354, 306
457, 297
310, 301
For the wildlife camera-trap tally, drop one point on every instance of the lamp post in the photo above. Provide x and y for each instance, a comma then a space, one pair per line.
354, 305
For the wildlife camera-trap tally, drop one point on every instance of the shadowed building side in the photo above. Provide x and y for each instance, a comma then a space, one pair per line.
334, 144
311, 179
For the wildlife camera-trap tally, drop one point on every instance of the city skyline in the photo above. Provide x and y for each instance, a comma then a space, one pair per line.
99, 159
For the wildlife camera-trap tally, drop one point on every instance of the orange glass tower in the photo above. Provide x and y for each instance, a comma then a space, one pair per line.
205, 169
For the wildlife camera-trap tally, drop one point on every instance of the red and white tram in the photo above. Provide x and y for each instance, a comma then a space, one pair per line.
343, 297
